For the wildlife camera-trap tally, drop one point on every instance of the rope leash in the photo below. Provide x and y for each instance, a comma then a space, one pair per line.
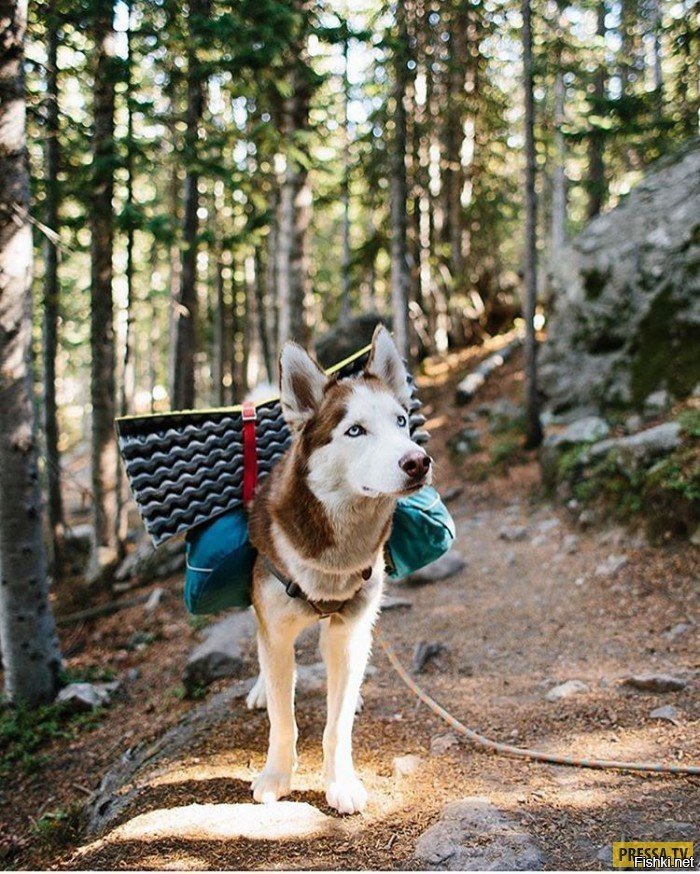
480, 740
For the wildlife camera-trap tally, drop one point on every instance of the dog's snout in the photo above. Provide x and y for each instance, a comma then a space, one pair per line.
415, 464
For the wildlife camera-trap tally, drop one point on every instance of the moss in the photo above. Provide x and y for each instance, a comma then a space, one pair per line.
665, 351
506, 451
59, 827
689, 420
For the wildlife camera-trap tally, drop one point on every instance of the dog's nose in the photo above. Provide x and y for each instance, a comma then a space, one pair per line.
415, 464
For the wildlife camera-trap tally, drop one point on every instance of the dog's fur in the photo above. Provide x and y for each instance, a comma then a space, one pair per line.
322, 518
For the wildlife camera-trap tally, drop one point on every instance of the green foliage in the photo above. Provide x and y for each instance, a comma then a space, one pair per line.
506, 451
59, 827
24, 733
689, 420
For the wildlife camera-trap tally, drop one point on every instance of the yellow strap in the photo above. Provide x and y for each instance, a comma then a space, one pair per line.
237, 408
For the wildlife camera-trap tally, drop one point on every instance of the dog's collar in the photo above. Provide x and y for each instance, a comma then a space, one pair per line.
294, 590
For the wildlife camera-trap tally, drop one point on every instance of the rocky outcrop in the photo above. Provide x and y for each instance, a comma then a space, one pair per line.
626, 322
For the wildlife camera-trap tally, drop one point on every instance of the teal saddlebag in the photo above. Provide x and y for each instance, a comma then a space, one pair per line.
220, 557
219, 564
423, 530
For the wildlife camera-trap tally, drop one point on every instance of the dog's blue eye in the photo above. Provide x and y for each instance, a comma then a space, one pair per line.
401, 421
355, 431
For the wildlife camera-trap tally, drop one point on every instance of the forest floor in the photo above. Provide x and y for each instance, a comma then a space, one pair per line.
521, 617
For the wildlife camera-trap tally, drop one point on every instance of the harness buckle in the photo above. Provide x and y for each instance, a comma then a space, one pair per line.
248, 411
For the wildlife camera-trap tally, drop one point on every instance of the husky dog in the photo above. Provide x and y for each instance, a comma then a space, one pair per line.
319, 523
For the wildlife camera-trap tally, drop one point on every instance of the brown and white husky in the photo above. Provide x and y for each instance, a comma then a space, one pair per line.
319, 523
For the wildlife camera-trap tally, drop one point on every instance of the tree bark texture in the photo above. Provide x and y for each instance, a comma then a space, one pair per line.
400, 270
52, 294
102, 344
596, 138
294, 217
533, 426
187, 314
30, 655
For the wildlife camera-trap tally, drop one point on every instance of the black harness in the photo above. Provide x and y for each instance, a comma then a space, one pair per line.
324, 609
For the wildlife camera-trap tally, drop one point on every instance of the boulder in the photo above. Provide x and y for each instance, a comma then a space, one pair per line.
586, 430
474, 835
566, 690
447, 565
221, 653
637, 451
146, 563
404, 766
655, 683
626, 319
81, 697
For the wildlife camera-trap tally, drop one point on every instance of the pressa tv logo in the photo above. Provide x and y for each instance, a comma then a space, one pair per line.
653, 855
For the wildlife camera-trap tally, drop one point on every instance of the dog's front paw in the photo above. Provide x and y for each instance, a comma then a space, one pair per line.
271, 785
347, 795
257, 699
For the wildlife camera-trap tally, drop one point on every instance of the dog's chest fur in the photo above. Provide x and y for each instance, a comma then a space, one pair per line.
322, 543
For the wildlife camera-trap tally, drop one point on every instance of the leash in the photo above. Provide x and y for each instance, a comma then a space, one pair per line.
484, 742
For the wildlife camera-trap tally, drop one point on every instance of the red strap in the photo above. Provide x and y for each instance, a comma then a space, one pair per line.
250, 452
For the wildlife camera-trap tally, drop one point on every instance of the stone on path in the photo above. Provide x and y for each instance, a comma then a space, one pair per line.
679, 629
404, 766
393, 602
513, 533
655, 683
423, 653
566, 690
474, 835
281, 820
667, 713
611, 565
441, 744
79, 697
220, 654
447, 565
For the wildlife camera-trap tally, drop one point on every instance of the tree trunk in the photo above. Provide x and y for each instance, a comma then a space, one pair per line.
187, 310
30, 655
128, 386
345, 194
261, 303
533, 428
102, 385
400, 271
52, 294
294, 218
596, 138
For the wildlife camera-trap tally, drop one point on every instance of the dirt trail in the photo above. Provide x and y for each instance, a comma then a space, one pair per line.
520, 618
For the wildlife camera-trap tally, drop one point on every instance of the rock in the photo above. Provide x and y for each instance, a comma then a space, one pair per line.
311, 678
657, 402
547, 525
77, 546
474, 835
539, 540
221, 652
404, 766
611, 565
679, 629
655, 683
423, 653
146, 563
452, 494
393, 602
504, 415
447, 565
637, 450
154, 599
588, 430
570, 544
466, 441
695, 537
347, 336
441, 744
633, 423
78, 697
668, 713
566, 690
622, 288
513, 533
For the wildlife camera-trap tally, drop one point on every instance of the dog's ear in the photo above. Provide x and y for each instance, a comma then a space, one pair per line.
386, 364
301, 385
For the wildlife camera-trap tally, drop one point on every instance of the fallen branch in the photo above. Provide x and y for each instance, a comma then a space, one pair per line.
473, 381
100, 610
